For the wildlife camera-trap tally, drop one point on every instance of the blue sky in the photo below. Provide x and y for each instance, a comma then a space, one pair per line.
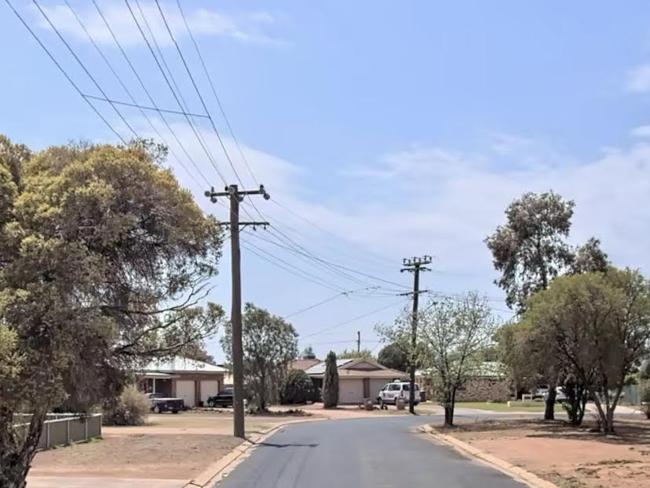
401, 128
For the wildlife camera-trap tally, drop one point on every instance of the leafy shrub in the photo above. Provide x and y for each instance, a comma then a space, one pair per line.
297, 387
130, 408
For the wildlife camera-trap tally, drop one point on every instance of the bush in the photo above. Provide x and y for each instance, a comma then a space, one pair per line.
130, 408
297, 387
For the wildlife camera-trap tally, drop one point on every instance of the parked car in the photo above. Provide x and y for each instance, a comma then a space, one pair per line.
391, 392
160, 403
224, 398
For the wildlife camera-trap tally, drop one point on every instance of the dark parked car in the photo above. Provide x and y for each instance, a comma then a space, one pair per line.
222, 399
160, 403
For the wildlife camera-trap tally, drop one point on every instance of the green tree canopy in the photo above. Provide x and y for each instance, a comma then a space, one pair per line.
599, 325
270, 344
102, 256
393, 356
354, 354
530, 249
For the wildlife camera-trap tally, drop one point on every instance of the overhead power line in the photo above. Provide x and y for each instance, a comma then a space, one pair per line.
143, 107
83, 66
131, 66
198, 92
171, 88
63, 71
359, 317
214, 91
327, 300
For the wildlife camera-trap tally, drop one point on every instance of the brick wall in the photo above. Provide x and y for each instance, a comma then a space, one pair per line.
484, 390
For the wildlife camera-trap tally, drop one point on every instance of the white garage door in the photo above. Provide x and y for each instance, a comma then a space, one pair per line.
375, 386
185, 390
351, 391
208, 388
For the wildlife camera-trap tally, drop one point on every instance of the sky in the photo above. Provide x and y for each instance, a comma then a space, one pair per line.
381, 130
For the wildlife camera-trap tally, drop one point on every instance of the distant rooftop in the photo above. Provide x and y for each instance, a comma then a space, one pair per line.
183, 365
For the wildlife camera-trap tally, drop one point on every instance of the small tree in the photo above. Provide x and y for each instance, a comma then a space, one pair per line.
599, 324
394, 357
269, 345
454, 335
331, 382
297, 387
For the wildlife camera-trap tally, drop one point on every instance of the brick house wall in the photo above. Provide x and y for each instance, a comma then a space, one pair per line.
484, 390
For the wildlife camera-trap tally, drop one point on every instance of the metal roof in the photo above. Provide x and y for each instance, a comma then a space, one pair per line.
183, 365
320, 367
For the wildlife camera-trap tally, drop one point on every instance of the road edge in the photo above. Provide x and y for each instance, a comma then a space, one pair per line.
214, 473
518, 474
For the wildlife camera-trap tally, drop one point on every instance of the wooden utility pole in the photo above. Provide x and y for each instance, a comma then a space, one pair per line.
414, 265
236, 196
358, 341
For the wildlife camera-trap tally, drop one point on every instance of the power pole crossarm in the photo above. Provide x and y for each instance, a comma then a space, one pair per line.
414, 265
235, 195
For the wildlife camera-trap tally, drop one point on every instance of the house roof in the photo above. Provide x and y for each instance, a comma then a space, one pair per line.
387, 374
358, 368
182, 365
320, 367
303, 363
487, 369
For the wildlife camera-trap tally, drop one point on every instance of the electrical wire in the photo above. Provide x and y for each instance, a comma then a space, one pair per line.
359, 317
147, 92
63, 71
83, 66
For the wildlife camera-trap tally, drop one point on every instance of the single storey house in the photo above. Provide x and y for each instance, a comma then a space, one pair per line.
358, 378
488, 383
193, 381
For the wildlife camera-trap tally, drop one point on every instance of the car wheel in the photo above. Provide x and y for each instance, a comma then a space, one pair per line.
156, 409
211, 404
174, 411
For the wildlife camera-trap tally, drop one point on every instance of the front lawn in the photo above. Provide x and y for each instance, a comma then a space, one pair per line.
503, 407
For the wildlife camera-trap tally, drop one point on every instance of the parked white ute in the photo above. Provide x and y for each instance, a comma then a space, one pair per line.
390, 392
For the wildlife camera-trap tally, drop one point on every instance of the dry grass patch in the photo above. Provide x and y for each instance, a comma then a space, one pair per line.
168, 456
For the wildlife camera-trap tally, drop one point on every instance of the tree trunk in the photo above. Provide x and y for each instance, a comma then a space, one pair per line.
262, 393
450, 401
16, 456
549, 411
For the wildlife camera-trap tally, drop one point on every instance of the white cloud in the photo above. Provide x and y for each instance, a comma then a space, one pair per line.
443, 202
643, 131
638, 79
247, 27
447, 205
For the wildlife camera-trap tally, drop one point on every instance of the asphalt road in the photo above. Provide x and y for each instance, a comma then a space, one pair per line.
361, 453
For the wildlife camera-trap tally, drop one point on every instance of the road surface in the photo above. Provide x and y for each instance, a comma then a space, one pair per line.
360, 453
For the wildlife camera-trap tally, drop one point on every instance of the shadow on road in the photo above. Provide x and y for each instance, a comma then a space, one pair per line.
272, 444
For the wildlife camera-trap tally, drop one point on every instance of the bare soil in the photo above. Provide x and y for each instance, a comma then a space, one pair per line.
163, 456
168, 447
568, 456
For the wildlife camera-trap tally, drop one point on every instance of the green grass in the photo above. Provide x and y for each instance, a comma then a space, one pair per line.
503, 407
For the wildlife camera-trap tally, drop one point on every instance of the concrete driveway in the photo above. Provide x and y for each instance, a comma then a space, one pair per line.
361, 453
